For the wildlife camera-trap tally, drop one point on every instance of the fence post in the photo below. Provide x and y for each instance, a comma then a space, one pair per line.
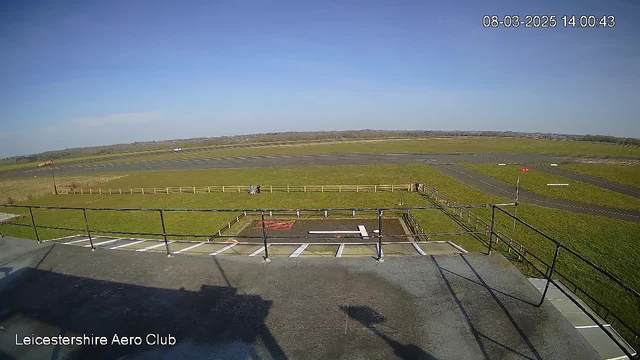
180, 189
164, 233
305, 188
167, 191
194, 189
100, 191
493, 220
86, 223
375, 188
380, 259
33, 224
209, 189
353, 212
322, 188
326, 213
357, 187
264, 237
142, 190
222, 188
90, 191
287, 188
109, 191
238, 189
154, 191
391, 187
297, 213
553, 266
271, 189
339, 188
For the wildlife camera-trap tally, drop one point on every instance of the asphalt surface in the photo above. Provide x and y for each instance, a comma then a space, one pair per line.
469, 306
496, 187
277, 161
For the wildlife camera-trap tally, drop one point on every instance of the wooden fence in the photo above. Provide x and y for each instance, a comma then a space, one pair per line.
240, 189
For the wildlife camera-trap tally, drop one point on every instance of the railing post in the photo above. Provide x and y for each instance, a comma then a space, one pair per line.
264, 237
553, 266
164, 233
33, 224
493, 221
380, 259
86, 223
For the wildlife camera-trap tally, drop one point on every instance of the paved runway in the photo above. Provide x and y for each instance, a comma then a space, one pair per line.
280, 161
496, 187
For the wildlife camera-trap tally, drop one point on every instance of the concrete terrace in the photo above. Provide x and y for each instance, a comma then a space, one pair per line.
459, 306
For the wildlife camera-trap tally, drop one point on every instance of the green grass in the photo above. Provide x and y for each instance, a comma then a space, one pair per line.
608, 242
623, 174
431, 145
536, 181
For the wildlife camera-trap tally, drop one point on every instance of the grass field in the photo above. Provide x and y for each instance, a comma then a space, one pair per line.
29, 188
608, 242
536, 181
623, 174
431, 145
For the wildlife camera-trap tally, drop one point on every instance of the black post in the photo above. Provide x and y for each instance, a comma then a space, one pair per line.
33, 223
86, 223
164, 233
493, 221
553, 266
53, 174
264, 237
380, 236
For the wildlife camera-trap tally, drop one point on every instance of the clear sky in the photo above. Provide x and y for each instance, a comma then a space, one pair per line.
80, 73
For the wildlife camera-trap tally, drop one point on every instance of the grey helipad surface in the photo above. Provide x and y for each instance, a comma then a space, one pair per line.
469, 306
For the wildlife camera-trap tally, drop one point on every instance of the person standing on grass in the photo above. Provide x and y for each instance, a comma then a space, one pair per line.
258, 189
252, 190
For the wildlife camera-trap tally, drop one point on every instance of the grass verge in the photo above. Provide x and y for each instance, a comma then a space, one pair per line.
623, 174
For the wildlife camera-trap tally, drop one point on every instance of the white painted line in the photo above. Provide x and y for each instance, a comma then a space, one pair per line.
457, 247
102, 243
420, 251
363, 232
62, 238
129, 244
189, 248
592, 326
502, 164
557, 184
335, 232
340, 250
259, 250
621, 357
153, 246
554, 164
76, 241
299, 250
224, 249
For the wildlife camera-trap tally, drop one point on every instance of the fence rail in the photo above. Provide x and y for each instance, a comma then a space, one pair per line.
238, 189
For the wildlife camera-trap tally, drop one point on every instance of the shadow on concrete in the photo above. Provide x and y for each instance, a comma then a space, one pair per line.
214, 322
371, 319
477, 334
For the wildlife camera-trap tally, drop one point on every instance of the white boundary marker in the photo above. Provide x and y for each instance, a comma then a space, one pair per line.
335, 232
259, 250
223, 249
154, 246
189, 248
557, 184
299, 250
76, 241
104, 242
418, 249
340, 250
591, 326
129, 244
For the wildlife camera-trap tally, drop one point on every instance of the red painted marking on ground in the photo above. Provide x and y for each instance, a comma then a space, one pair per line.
276, 224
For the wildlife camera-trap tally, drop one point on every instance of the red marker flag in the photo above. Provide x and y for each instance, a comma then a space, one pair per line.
525, 169
47, 163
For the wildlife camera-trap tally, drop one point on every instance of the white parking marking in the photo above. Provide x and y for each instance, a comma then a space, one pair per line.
129, 244
189, 248
259, 250
591, 326
102, 243
76, 241
299, 250
363, 232
224, 249
418, 249
154, 246
340, 250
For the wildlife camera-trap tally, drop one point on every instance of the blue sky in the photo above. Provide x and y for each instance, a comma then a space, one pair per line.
79, 74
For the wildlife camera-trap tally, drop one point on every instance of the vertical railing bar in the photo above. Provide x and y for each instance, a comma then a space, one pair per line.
264, 237
493, 221
86, 223
380, 259
553, 266
164, 232
33, 223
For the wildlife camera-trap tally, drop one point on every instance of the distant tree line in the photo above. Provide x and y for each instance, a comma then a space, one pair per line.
301, 136
612, 139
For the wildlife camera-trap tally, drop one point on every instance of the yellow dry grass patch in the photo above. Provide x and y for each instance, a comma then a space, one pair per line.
17, 190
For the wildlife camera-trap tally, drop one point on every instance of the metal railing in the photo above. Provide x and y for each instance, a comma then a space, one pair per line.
237, 189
